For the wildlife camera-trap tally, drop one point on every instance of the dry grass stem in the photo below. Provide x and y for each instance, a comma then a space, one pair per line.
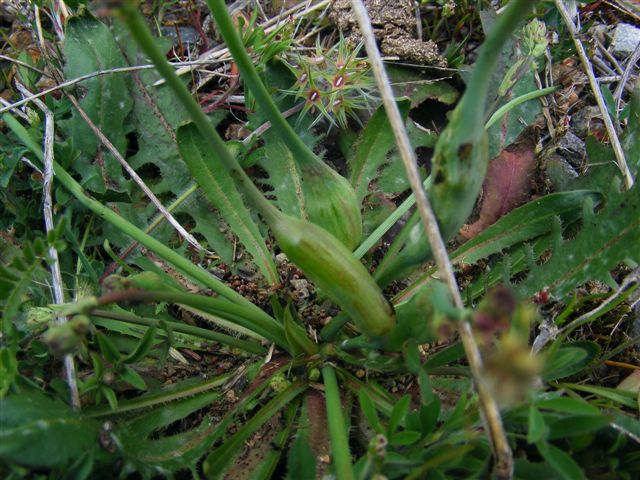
488, 405
136, 178
56, 274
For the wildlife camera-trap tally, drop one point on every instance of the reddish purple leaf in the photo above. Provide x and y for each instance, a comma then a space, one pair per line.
507, 184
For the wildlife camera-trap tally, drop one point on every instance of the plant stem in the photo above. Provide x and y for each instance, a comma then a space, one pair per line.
498, 114
250, 77
245, 345
337, 426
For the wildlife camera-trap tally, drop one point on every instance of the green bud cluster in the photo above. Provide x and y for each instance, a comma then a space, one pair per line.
333, 83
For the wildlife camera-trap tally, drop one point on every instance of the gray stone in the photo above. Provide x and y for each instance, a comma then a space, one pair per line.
560, 173
572, 148
583, 119
625, 40
186, 35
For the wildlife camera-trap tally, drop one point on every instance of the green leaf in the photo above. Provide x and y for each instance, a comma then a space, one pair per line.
537, 428
570, 359
371, 150
606, 239
576, 425
38, 431
560, 461
513, 122
409, 82
283, 176
132, 377
216, 462
155, 117
429, 415
297, 337
628, 399
524, 223
447, 355
143, 347
570, 405
109, 351
399, 412
369, 410
111, 396
89, 46
301, 462
220, 189
400, 439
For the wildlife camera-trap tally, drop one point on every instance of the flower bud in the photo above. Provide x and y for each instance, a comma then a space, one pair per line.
334, 269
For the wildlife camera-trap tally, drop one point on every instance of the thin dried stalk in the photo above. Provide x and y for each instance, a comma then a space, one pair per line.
136, 178
488, 405
56, 275
82, 78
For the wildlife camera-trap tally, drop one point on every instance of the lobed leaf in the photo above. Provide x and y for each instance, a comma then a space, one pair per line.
89, 47
38, 431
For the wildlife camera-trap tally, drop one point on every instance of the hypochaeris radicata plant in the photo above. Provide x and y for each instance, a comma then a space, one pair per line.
298, 335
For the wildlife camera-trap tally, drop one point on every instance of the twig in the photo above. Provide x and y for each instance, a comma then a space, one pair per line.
488, 405
18, 112
136, 178
631, 64
545, 107
624, 431
628, 366
611, 130
22, 64
88, 76
267, 125
56, 274
607, 54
